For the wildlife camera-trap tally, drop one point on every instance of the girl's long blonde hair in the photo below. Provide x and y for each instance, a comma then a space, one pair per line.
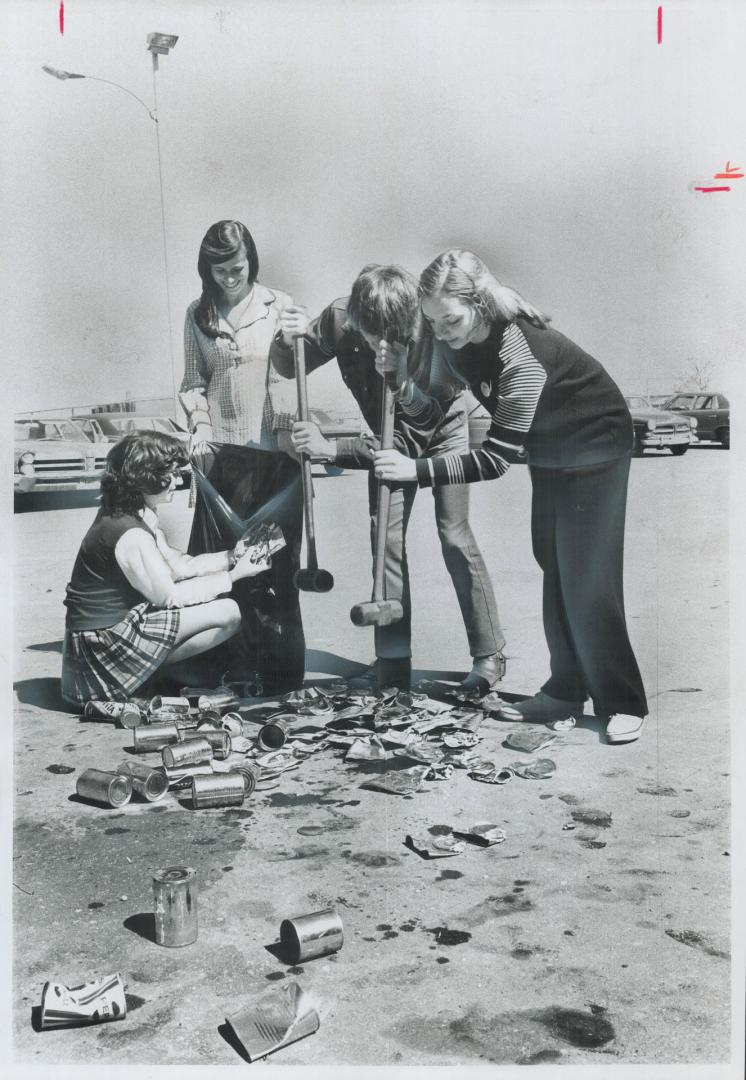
463, 274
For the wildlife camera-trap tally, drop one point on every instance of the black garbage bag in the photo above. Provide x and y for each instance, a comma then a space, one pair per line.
238, 487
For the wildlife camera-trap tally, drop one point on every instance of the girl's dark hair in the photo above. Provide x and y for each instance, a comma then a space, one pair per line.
221, 242
384, 301
139, 463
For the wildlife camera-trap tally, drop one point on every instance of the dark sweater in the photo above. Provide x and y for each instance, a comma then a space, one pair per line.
329, 336
551, 404
98, 594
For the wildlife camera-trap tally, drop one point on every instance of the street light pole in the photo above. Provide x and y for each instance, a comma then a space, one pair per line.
157, 44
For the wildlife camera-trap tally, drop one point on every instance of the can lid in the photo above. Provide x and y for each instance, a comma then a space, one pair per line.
175, 873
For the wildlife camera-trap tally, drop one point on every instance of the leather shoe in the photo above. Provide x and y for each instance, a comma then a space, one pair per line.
542, 709
621, 728
486, 673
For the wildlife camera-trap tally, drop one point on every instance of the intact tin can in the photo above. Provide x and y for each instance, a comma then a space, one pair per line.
181, 775
149, 737
147, 782
122, 712
232, 723
220, 789
172, 704
250, 777
175, 906
223, 700
220, 741
189, 752
211, 717
307, 936
194, 693
273, 734
107, 788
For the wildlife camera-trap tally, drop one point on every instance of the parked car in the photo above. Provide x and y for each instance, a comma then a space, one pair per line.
658, 401
658, 429
54, 454
710, 410
111, 427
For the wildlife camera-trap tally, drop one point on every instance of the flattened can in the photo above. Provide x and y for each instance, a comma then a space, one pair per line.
87, 1003
273, 734
175, 906
107, 788
172, 704
181, 775
220, 789
147, 782
307, 936
189, 752
219, 740
122, 712
149, 737
168, 716
232, 723
223, 700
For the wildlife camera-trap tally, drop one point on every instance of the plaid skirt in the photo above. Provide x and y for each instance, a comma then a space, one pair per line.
111, 664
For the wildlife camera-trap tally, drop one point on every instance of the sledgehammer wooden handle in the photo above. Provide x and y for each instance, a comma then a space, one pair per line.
310, 579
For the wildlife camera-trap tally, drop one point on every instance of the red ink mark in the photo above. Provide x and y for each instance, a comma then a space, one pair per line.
62, 17
732, 172
660, 25
709, 189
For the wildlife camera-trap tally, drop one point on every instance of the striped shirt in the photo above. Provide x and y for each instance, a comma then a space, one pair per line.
551, 404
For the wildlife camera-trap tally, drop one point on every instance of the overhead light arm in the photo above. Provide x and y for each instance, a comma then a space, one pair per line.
57, 73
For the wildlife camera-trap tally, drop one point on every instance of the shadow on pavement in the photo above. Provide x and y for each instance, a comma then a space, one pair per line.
142, 924
44, 693
231, 1038
55, 500
46, 646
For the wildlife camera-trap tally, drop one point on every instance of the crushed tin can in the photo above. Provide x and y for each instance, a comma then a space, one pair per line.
402, 782
182, 775
232, 723
484, 834
149, 783
278, 1018
219, 740
305, 937
121, 712
273, 734
528, 741
107, 788
435, 847
175, 906
489, 773
89, 1003
541, 769
170, 704
189, 752
148, 737
221, 700
220, 789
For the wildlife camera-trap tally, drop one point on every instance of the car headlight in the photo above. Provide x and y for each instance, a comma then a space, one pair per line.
26, 463
651, 425
693, 422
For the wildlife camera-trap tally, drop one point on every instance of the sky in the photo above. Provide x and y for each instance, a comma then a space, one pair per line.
558, 140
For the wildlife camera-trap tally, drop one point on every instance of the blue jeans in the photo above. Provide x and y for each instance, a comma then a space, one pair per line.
461, 553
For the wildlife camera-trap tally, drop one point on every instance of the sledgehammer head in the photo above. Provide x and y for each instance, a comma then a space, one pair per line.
313, 580
377, 613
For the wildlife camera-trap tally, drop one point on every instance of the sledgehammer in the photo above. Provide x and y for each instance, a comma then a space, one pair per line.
310, 578
378, 611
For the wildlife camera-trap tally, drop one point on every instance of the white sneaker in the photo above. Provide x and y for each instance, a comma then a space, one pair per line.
622, 728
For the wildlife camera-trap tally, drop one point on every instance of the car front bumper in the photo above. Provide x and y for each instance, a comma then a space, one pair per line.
26, 485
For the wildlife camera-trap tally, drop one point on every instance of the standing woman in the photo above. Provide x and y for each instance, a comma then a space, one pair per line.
235, 403
555, 407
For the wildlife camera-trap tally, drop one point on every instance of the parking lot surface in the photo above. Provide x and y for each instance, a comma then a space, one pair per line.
603, 943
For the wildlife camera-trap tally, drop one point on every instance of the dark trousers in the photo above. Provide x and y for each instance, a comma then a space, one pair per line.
577, 529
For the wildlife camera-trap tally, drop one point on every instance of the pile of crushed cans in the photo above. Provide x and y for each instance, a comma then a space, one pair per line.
222, 746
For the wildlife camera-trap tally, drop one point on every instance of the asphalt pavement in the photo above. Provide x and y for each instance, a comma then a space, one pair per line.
597, 933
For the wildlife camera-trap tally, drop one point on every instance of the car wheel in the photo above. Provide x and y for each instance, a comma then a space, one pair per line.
677, 451
723, 437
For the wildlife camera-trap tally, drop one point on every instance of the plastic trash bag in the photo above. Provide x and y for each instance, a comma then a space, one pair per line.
237, 487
